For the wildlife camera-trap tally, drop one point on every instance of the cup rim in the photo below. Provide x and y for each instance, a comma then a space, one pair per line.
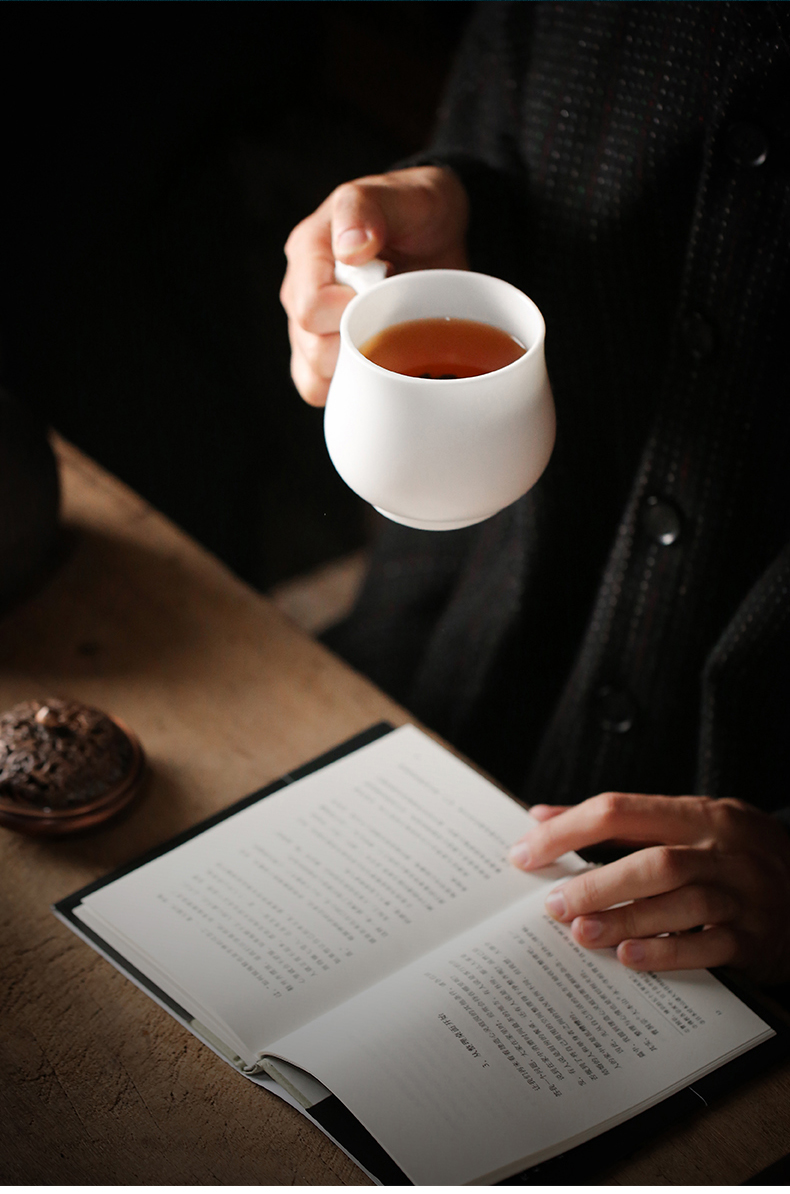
527, 355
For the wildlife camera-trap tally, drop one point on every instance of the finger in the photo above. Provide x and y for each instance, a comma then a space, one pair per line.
320, 352
716, 946
634, 818
427, 211
309, 293
312, 388
646, 873
544, 812
673, 912
312, 300
358, 222
415, 218
540, 812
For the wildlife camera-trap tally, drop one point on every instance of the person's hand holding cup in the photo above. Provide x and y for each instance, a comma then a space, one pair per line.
434, 448
413, 219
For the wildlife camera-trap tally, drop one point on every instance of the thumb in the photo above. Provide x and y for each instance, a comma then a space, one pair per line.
359, 229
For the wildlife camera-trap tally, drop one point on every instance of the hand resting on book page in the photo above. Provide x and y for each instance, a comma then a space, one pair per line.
709, 887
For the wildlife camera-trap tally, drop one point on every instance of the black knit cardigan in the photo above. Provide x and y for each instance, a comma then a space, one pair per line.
626, 625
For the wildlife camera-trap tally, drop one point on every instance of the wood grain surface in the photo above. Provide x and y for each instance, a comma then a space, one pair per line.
99, 1085
225, 694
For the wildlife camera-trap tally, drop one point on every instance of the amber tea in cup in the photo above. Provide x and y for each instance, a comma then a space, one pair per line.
444, 451
443, 348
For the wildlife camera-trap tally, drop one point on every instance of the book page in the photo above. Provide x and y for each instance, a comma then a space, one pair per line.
511, 1044
310, 895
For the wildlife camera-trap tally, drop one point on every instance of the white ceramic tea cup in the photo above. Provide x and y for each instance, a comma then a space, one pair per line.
435, 453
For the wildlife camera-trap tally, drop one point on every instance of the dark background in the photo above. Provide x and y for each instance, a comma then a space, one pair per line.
155, 159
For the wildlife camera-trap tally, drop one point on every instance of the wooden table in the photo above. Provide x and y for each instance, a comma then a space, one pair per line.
99, 1085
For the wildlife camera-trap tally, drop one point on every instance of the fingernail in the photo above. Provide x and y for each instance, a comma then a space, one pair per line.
632, 951
556, 905
588, 927
351, 240
519, 855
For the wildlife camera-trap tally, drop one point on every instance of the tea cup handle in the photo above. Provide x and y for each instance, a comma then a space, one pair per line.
361, 277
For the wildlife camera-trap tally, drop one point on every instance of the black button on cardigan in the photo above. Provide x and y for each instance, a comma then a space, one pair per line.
661, 521
616, 709
746, 144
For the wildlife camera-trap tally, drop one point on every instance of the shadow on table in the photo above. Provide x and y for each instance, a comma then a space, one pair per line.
162, 809
110, 607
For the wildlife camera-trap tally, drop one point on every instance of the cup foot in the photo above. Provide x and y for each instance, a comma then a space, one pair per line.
423, 524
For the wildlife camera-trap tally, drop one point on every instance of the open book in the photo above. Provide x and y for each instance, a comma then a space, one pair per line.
357, 939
